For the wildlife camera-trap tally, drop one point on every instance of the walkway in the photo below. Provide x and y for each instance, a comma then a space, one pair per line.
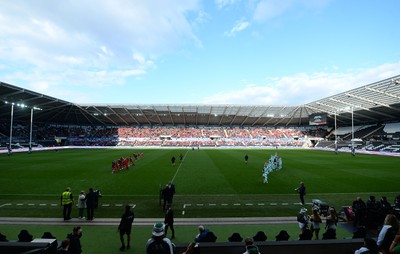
149, 221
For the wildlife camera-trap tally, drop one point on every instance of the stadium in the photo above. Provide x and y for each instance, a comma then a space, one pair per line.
343, 146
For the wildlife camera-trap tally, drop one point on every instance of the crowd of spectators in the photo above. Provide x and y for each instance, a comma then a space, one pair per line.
169, 136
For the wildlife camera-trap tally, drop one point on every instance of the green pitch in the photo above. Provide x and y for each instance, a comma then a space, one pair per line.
209, 182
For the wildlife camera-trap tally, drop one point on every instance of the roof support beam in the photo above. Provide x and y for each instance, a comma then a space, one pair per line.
118, 115
130, 114
141, 111
170, 115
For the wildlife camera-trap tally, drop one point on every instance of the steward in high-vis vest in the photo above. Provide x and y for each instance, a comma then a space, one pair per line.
66, 202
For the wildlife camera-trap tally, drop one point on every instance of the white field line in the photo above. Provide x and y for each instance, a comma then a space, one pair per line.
180, 164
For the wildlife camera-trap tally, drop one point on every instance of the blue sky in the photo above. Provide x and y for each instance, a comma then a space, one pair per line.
254, 52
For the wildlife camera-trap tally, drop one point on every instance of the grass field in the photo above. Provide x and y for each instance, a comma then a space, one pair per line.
209, 182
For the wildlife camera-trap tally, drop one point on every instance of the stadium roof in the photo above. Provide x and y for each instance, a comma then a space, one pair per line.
372, 103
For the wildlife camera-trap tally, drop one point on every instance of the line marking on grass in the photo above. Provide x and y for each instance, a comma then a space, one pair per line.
118, 205
183, 212
236, 204
273, 203
42, 204
285, 203
5, 204
249, 204
200, 204
180, 164
106, 205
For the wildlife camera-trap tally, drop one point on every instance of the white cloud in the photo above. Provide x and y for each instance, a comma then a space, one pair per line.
223, 3
46, 38
268, 9
239, 26
303, 88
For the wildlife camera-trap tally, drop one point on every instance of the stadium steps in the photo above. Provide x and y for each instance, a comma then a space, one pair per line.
370, 131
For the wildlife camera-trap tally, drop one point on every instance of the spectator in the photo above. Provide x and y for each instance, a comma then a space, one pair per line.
316, 221
394, 247
64, 247
384, 208
235, 237
372, 221
369, 247
75, 241
96, 199
250, 247
388, 233
81, 204
331, 222
282, 236
24, 236
125, 227
169, 221
159, 243
303, 219
3, 238
332, 219
90, 204
361, 232
205, 235
329, 234
306, 234
359, 209
48, 235
260, 237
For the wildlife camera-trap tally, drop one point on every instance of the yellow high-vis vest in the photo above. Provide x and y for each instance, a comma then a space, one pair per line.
66, 198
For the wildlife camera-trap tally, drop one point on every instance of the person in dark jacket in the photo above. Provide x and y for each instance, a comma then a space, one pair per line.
169, 221
302, 192
125, 227
24, 236
167, 194
75, 241
90, 203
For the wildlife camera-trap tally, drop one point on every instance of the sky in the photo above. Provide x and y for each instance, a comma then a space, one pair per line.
230, 52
